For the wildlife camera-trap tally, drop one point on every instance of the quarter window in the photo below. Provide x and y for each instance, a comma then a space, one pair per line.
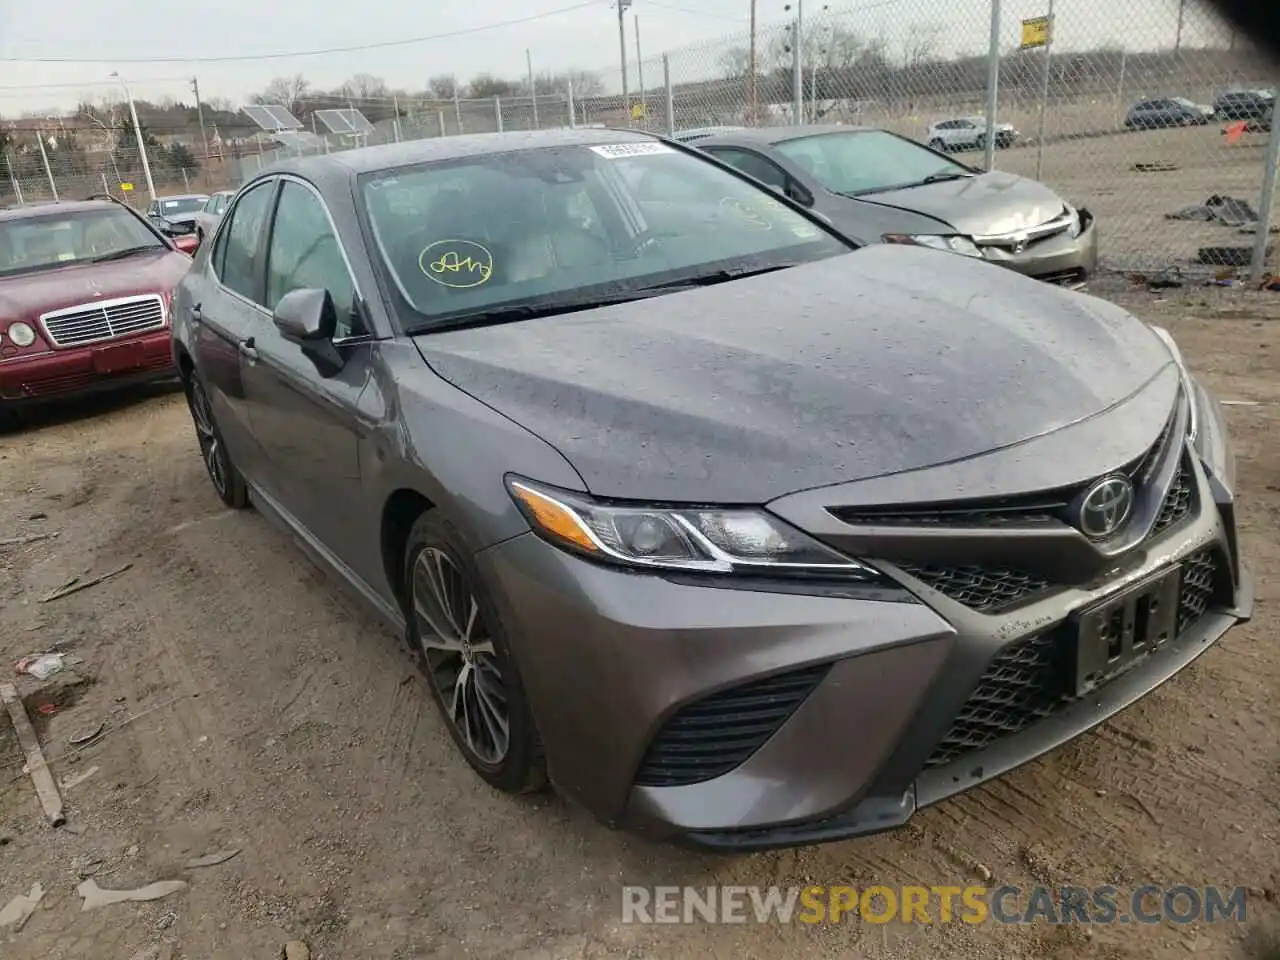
305, 253
754, 165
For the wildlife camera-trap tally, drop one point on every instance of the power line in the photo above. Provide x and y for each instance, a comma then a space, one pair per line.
696, 13
356, 48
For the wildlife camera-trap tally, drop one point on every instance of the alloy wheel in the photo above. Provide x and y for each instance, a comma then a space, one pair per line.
210, 443
461, 660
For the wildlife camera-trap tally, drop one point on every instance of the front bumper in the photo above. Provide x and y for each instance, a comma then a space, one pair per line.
613, 662
1058, 259
77, 371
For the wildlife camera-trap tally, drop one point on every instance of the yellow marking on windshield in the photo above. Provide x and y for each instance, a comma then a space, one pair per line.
456, 263
752, 216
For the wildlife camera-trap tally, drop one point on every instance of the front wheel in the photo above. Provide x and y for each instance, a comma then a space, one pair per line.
938, 145
455, 634
226, 479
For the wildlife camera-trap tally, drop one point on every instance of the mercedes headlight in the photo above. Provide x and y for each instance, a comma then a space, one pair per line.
950, 243
728, 540
21, 334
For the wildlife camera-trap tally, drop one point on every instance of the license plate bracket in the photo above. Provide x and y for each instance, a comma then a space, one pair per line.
117, 358
1116, 633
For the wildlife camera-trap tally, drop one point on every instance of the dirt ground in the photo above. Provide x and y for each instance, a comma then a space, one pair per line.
249, 705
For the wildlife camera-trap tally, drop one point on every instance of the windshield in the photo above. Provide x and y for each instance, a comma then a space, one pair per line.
37, 243
1183, 101
181, 205
560, 224
861, 161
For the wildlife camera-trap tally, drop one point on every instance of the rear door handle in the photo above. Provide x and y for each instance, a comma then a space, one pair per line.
197, 316
247, 348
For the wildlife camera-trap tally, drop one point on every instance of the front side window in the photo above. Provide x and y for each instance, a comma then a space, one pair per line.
235, 256
865, 161
304, 254
29, 244
562, 223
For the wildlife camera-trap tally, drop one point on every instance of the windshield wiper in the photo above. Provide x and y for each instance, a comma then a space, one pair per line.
942, 176
532, 311
126, 252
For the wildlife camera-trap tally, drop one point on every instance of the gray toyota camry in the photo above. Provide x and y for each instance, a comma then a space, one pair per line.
732, 531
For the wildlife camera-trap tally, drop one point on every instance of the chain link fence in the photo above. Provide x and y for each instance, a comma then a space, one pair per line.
1153, 114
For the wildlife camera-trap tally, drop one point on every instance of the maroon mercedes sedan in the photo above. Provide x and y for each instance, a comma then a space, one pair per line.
85, 290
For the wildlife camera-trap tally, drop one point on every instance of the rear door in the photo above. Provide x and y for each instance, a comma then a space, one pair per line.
225, 308
306, 422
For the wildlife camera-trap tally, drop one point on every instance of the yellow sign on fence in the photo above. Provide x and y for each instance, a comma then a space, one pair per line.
1035, 32
126, 187
639, 111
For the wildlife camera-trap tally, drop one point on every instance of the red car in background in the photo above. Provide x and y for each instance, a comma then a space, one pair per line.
85, 291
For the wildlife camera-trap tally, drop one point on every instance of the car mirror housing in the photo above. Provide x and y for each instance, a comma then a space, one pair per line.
306, 315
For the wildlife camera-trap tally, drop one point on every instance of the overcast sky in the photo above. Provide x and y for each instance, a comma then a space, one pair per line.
189, 31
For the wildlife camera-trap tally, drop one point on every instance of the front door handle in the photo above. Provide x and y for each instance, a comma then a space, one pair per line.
197, 316
247, 348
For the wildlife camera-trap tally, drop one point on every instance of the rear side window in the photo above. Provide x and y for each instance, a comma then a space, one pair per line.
237, 248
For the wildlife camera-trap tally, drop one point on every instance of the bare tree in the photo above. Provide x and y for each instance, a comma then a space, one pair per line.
286, 91
585, 83
921, 45
364, 86
736, 62
484, 85
442, 87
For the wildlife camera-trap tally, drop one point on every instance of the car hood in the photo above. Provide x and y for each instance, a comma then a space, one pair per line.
985, 205
29, 295
888, 359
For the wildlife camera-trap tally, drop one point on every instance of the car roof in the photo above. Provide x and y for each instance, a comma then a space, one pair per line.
184, 196
342, 165
51, 207
697, 133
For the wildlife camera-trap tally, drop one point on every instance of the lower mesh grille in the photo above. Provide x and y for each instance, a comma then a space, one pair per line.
714, 735
985, 589
1029, 679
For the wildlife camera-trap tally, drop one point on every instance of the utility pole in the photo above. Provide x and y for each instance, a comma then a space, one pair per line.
753, 87
644, 106
457, 104
533, 87
622, 49
204, 137
797, 71
1182, 15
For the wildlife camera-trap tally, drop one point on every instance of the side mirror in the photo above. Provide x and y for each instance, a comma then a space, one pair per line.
307, 317
799, 193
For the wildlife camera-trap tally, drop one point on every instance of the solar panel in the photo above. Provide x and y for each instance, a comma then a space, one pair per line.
347, 121
271, 116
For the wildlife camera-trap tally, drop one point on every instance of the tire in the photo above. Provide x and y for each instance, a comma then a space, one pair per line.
227, 482
938, 145
465, 642
982, 141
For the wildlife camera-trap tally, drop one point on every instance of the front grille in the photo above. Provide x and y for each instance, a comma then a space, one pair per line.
95, 322
1029, 679
714, 735
1178, 501
985, 589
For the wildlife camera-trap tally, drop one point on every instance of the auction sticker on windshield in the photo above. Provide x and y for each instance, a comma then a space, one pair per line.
617, 151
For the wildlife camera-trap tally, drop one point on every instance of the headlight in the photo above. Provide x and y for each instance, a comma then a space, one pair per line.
1076, 226
951, 243
22, 334
698, 539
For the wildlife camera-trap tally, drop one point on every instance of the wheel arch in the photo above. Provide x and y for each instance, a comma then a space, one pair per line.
402, 507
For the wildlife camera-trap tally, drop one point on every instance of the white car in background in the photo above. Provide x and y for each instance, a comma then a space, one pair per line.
968, 133
208, 216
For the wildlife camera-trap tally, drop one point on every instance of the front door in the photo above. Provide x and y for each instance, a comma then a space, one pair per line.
224, 311
306, 422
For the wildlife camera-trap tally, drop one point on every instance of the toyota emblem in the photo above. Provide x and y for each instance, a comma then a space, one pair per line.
1105, 507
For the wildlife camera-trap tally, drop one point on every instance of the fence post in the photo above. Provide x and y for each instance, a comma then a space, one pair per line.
993, 85
497, 112
797, 78
1266, 204
671, 96
440, 120
186, 183
44, 155
17, 189
1044, 90
105, 188
395, 124
573, 121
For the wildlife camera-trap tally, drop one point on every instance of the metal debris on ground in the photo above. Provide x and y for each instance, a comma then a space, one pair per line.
95, 897
77, 587
15, 913
1167, 279
1218, 209
29, 538
1156, 166
41, 778
66, 783
212, 859
89, 735
40, 665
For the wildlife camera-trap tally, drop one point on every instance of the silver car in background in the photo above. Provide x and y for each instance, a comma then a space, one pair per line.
878, 187
208, 216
